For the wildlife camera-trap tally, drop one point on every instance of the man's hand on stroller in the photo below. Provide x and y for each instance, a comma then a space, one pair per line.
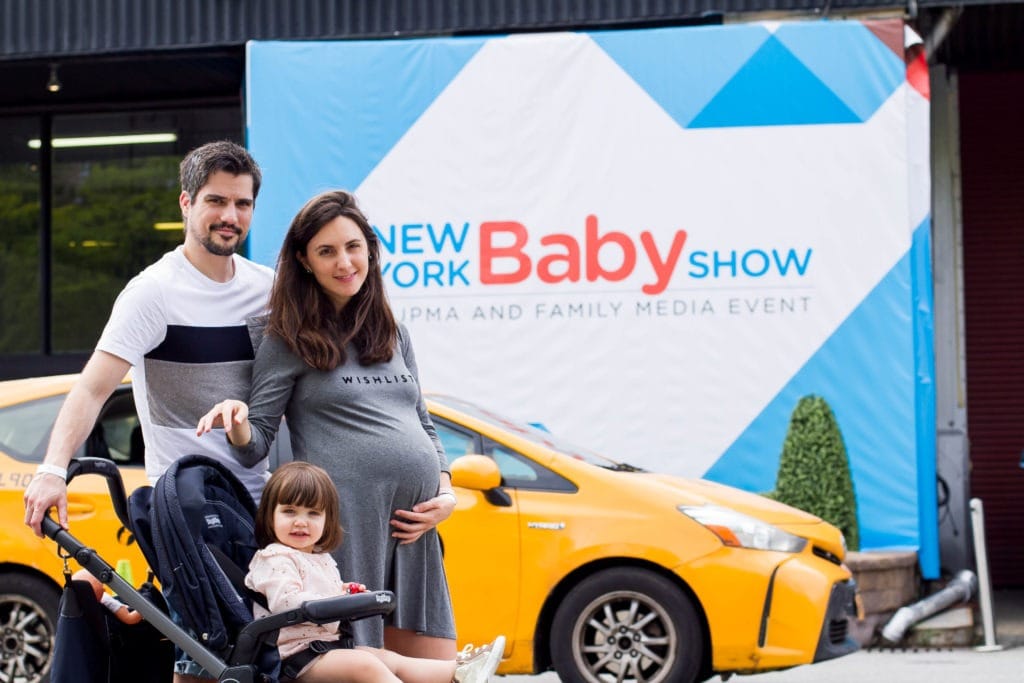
44, 492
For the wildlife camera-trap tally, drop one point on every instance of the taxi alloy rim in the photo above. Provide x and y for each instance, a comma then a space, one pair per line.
624, 636
27, 640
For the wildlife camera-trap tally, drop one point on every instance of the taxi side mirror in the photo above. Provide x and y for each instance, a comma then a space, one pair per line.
477, 472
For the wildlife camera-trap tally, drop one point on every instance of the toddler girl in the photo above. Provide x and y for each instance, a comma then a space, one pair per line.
297, 526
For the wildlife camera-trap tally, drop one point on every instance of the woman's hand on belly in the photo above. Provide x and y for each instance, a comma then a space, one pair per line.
409, 525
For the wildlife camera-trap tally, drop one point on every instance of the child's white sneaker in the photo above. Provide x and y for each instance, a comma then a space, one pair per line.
475, 665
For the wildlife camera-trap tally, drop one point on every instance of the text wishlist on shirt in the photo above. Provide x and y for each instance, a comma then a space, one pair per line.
377, 379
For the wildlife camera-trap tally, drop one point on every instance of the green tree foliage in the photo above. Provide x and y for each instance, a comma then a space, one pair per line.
814, 470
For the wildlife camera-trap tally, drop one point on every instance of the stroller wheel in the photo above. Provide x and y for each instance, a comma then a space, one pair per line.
28, 619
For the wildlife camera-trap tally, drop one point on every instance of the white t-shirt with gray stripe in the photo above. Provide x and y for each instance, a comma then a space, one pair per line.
186, 338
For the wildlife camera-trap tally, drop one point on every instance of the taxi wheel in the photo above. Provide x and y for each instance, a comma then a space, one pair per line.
28, 618
626, 624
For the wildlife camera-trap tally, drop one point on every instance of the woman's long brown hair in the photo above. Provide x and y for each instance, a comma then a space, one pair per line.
303, 316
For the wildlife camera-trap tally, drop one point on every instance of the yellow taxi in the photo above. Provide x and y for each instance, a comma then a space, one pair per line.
31, 573
591, 567
605, 572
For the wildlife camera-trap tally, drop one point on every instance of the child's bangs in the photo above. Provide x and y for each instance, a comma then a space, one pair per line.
305, 490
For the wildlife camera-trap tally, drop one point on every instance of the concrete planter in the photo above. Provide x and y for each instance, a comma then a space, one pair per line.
886, 581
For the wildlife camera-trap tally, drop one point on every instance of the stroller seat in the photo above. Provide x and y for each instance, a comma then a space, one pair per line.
195, 528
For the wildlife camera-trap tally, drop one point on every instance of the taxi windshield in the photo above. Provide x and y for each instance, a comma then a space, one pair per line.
530, 432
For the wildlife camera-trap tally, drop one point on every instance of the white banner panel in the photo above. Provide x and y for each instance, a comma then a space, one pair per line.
651, 242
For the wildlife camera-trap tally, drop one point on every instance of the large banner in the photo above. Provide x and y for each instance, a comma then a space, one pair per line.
652, 242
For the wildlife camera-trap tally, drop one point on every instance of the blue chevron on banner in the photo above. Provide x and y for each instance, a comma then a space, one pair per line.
309, 87
682, 70
774, 88
817, 44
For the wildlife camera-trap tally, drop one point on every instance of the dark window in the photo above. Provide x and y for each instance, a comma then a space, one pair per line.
118, 434
25, 427
517, 471
456, 440
110, 210
19, 237
108, 201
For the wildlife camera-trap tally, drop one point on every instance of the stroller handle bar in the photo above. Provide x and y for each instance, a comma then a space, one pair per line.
238, 666
89, 559
108, 470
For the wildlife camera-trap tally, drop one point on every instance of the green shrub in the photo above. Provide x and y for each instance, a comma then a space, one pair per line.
814, 470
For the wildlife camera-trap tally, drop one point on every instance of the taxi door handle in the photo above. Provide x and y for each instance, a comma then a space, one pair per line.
80, 508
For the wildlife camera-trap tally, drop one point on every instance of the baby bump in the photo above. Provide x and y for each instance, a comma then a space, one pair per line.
402, 468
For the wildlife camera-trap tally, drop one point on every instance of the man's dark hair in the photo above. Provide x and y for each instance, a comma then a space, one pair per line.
223, 155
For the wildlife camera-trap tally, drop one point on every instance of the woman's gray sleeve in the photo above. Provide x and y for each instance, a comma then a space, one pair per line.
274, 374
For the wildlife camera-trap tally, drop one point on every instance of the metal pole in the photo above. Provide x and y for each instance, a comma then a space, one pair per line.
940, 30
984, 585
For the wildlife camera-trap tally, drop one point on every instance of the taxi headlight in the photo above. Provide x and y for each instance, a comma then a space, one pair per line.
738, 530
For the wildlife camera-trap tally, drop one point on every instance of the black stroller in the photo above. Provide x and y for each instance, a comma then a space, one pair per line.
244, 650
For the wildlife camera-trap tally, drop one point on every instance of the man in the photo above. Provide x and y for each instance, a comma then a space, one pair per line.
180, 325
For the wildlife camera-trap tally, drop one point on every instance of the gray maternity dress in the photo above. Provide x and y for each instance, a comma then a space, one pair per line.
369, 428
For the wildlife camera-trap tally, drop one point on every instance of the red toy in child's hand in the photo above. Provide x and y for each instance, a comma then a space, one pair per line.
355, 588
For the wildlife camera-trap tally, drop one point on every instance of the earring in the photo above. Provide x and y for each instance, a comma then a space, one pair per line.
309, 271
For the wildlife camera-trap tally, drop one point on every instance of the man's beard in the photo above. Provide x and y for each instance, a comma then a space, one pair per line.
218, 248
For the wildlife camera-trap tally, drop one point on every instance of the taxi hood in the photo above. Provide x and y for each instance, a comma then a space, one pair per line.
704, 492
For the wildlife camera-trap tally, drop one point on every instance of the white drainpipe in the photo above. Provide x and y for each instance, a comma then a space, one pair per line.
959, 589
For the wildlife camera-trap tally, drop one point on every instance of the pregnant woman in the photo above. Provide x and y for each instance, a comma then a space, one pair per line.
338, 366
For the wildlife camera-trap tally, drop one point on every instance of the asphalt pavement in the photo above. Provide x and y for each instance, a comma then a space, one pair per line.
878, 666
905, 665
